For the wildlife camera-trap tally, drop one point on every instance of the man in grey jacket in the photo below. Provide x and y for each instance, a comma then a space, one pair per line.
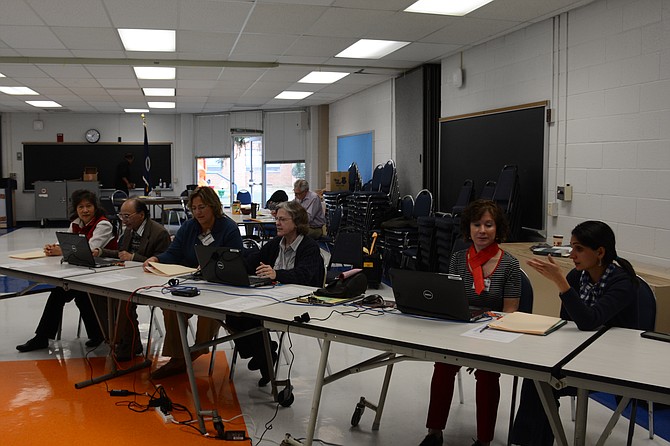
141, 239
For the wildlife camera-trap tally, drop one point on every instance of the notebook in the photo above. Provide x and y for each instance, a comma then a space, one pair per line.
76, 251
431, 294
226, 265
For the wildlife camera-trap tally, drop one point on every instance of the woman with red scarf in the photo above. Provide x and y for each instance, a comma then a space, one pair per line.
492, 279
87, 218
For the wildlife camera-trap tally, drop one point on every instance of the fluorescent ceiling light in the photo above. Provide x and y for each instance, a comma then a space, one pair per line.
161, 104
457, 8
293, 94
322, 77
2, 75
136, 110
371, 49
158, 91
148, 39
155, 72
18, 90
44, 104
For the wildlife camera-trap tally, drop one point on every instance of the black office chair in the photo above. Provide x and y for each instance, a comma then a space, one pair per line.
244, 196
347, 250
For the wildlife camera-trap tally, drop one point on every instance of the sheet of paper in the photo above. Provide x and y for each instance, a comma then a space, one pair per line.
242, 303
36, 254
490, 335
285, 292
104, 279
23, 264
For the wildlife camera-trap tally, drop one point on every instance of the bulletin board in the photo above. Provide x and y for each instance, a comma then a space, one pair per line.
358, 148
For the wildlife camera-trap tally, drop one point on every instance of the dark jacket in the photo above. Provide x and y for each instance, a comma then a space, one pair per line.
616, 307
155, 240
308, 269
182, 249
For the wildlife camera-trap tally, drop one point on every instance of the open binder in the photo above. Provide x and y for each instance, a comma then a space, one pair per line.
520, 322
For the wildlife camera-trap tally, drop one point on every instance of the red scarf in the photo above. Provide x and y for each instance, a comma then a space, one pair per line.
475, 262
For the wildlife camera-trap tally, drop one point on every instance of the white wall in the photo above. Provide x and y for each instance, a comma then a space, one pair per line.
371, 109
606, 70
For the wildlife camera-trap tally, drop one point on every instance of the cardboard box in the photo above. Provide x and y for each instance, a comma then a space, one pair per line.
90, 174
337, 181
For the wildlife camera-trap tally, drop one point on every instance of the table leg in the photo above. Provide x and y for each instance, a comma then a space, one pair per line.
546, 394
318, 387
189, 371
580, 416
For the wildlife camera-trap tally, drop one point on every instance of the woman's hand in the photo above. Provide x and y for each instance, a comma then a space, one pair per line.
52, 250
266, 271
145, 265
551, 271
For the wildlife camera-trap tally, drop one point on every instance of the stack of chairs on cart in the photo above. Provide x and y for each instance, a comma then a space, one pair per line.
507, 195
335, 199
369, 207
401, 234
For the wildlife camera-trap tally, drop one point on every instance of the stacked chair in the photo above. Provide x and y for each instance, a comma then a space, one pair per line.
367, 209
507, 196
335, 199
447, 226
401, 235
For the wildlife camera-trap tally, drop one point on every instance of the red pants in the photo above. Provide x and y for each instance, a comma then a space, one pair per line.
442, 391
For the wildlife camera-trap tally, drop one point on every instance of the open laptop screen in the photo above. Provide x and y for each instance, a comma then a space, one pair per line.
76, 251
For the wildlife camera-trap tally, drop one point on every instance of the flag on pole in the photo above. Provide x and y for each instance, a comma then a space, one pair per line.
146, 175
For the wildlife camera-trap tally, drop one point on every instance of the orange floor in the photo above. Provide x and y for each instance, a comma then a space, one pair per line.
39, 404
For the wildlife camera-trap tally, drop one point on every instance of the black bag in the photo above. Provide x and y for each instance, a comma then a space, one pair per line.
349, 284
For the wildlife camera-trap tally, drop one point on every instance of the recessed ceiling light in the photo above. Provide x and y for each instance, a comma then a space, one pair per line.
161, 104
293, 94
158, 91
18, 90
148, 39
322, 77
371, 49
155, 72
459, 8
44, 104
136, 110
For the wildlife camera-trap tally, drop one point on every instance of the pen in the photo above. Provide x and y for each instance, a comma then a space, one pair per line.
483, 328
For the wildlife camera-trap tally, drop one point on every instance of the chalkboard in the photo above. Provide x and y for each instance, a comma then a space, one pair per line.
478, 147
66, 161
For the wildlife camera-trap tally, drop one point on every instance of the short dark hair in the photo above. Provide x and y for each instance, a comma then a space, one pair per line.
298, 215
474, 212
85, 195
208, 197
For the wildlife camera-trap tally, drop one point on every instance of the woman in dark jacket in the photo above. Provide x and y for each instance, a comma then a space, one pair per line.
597, 292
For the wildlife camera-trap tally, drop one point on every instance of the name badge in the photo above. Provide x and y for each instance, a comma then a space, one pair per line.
487, 284
206, 239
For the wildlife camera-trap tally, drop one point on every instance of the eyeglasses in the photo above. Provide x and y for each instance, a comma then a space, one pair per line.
126, 216
283, 219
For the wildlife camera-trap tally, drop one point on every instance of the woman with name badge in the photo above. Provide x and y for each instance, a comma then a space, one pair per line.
492, 280
596, 292
88, 218
209, 227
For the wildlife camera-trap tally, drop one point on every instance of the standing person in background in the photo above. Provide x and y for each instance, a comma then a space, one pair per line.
88, 218
141, 239
208, 227
123, 174
492, 279
312, 204
595, 292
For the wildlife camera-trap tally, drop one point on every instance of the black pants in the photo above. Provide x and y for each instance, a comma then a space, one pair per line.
531, 425
251, 345
53, 313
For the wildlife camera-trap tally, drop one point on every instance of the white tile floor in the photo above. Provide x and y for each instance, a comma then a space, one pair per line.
404, 415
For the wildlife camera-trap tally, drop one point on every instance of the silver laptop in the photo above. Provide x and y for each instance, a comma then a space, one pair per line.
226, 265
435, 295
77, 251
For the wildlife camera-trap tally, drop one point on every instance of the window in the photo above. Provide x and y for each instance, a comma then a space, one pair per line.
215, 173
282, 176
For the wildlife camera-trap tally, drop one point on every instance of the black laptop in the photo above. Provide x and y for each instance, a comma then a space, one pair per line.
226, 265
431, 294
76, 251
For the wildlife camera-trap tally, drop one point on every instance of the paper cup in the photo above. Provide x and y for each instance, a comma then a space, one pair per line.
558, 240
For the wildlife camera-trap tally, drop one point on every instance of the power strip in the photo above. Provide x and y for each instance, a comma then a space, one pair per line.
166, 417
